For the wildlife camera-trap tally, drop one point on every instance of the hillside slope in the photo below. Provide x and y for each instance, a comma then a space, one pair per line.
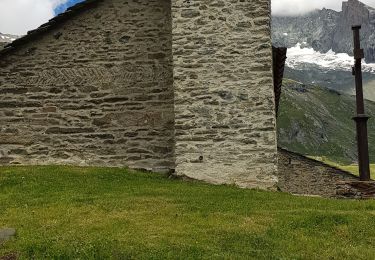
339, 80
317, 121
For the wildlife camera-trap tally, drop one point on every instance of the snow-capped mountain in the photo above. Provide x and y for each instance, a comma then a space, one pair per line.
331, 70
326, 29
320, 46
6, 38
300, 55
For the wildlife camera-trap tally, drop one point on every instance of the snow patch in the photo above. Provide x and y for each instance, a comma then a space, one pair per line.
297, 56
7, 38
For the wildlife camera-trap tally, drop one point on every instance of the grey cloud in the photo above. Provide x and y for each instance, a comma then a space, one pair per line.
294, 7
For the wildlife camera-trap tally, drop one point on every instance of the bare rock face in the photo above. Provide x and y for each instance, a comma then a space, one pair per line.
326, 29
355, 13
314, 29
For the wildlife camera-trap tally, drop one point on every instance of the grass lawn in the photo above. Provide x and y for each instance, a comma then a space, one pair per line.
101, 213
352, 168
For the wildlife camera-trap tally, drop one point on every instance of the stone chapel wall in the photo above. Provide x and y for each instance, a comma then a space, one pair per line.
224, 100
103, 89
96, 90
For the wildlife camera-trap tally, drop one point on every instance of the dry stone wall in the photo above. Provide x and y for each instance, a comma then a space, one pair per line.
300, 175
355, 189
224, 101
96, 90
102, 88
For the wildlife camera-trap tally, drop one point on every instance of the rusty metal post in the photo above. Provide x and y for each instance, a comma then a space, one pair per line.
361, 118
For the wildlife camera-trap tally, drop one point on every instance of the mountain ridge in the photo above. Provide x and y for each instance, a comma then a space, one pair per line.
327, 29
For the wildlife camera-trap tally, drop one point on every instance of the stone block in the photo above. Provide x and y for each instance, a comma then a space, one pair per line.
7, 233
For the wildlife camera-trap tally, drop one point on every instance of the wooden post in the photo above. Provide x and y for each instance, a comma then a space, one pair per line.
361, 118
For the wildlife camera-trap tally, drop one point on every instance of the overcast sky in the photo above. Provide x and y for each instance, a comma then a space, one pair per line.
292, 7
19, 16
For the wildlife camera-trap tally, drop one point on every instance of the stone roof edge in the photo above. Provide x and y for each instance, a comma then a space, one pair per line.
51, 24
318, 162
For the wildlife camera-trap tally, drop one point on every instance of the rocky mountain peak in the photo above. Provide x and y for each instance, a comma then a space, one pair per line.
326, 29
357, 12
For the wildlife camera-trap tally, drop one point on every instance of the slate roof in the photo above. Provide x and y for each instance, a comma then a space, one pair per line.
51, 24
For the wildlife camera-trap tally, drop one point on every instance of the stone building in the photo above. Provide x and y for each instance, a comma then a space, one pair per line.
184, 86
146, 84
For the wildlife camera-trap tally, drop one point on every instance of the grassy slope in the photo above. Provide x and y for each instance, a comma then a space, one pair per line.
318, 122
353, 168
333, 79
96, 213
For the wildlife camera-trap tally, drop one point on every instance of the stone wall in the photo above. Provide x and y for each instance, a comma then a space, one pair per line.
102, 88
355, 189
96, 90
224, 101
300, 175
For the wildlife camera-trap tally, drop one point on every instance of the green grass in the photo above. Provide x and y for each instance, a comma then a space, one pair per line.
101, 213
352, 168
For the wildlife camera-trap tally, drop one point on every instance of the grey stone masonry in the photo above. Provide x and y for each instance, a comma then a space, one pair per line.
301, 175
95, 90
356, 189
162, 85
224, 102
